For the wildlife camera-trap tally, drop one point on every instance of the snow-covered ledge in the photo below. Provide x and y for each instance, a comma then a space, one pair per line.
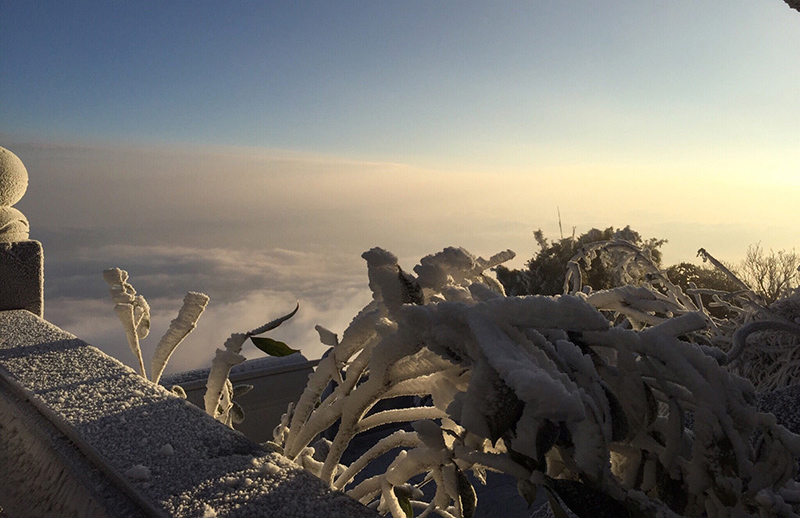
82, 434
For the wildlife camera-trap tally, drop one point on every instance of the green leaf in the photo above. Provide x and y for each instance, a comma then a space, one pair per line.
273, 347
405, 503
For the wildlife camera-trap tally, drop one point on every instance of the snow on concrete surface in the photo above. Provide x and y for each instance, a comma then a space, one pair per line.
130, 426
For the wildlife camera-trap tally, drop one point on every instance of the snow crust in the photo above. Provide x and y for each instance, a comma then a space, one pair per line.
126, 422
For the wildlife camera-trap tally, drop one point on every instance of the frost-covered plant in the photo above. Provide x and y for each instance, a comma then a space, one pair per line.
134, 313
218, 399
770, 361
546, 389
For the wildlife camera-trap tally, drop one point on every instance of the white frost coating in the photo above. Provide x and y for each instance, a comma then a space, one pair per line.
383, 278
543, 388
132, 310
193, 306
327, 337
134, 313
221, 365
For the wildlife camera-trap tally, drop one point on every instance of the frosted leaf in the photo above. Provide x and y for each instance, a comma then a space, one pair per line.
274, 323
193, 306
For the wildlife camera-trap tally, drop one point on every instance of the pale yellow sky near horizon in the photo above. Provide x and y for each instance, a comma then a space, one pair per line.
345, 201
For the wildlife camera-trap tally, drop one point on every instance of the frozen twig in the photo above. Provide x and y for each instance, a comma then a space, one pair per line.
131, 309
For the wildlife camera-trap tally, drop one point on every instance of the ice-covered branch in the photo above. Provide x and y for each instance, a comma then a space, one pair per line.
132, 310
559, 391
224, 360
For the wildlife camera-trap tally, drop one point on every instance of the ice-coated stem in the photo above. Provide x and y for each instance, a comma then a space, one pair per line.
303, 431
125, 314
221, 366
399, 415
399, 439
132, 310
193, 306
741, 334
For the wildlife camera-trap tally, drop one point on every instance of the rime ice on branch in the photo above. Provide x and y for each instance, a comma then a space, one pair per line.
21, 259
585, 396
134, 313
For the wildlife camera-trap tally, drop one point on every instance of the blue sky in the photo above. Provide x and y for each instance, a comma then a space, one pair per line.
467, 84
253, 150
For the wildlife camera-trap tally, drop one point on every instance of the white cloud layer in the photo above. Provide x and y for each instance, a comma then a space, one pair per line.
246, 291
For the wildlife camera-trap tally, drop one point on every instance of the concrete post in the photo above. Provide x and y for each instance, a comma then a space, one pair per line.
21, 259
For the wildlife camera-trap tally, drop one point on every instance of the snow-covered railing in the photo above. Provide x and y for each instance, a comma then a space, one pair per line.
82, 434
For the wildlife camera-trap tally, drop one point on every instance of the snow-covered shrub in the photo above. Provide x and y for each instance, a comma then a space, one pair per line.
584, 395
771, 360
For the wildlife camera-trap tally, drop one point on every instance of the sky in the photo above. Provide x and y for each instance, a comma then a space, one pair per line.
253, 150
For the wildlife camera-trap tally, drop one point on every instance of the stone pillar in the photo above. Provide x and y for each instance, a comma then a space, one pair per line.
21, 259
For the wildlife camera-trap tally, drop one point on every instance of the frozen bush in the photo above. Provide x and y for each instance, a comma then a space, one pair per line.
584, 395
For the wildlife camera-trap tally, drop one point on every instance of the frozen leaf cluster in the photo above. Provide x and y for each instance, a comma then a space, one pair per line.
134, 313
587, 395
218, 399
646, 297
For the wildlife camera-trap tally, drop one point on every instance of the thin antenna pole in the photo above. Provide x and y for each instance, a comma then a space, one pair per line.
560, 229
